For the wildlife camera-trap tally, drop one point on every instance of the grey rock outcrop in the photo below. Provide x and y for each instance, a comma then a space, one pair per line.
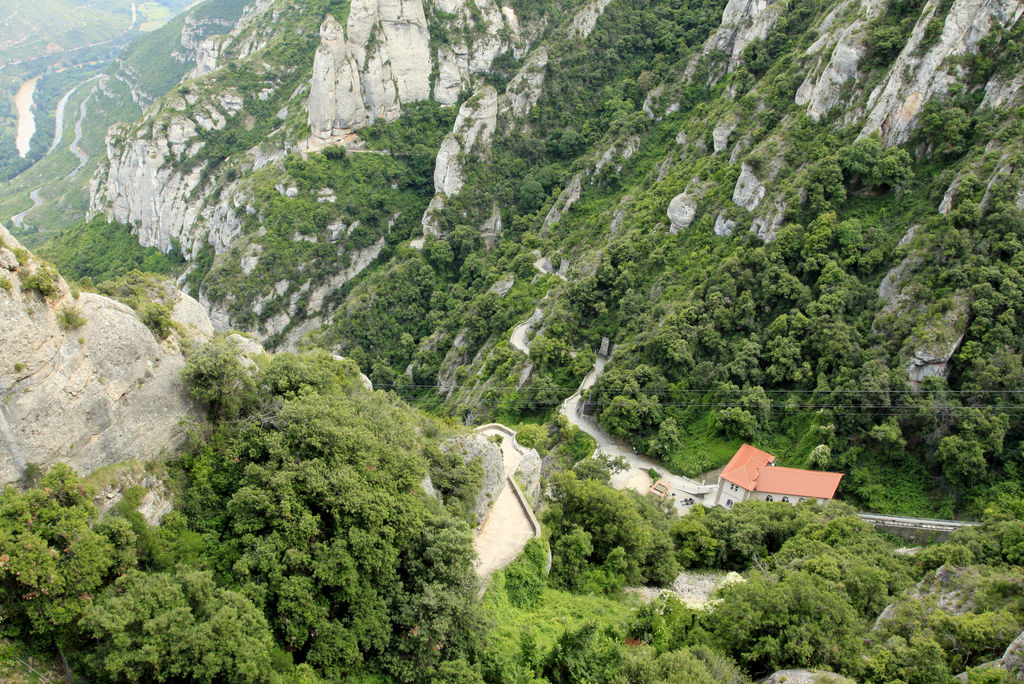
935, 343
749, 191
681, 212
103, 392
821, 94
478, 447
767, 224
140, 186
474, 127
999, 91
724, 226
528, 473
365, 71
806, 677
743, 22
1013, 658
720, 136
470, 51
822, 88
157, 502
523, 91
585, 20
914, 79
472, 132
564, 203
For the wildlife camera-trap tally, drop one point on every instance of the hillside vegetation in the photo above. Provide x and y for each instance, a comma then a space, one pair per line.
778, 250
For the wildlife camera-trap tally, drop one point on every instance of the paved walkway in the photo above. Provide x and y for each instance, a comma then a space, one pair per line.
518, 340
508, 526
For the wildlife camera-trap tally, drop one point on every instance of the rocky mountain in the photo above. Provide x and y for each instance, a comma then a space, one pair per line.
82, 379
705, 184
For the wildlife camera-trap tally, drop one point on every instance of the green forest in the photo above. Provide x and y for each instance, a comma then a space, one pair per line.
764, 268
302, 549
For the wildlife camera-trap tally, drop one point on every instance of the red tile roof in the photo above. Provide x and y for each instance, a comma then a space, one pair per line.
751, 469
742, 469
798, 482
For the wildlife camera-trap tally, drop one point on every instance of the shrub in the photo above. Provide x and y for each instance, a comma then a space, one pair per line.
42, 281
5, 284
157, 317
70, 317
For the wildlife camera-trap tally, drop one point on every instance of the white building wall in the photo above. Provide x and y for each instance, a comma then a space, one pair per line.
786, 498
727, 491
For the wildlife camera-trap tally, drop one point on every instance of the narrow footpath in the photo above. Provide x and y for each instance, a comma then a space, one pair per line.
510, 523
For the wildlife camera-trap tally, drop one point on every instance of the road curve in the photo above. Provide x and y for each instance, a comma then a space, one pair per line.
636, 477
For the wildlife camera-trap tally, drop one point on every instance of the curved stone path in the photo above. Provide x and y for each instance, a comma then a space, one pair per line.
510, 523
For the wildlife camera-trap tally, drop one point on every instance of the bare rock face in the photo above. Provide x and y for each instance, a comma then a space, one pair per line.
1013, 658
565, 200
524, 89
743, 22
527, 475
472, 447
103, 392
935, 343
681, 212
469, 52
839, 48
720, 136
749, 191
724, 226
139, 185
471, 135
367, 70
914, 78
473, 130
585, 20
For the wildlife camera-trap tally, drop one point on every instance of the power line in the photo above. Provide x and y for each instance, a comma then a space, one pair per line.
633, 390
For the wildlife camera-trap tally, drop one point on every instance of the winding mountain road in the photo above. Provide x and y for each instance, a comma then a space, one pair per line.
636, 476
58, 126
83, 158
518, 340
18, 218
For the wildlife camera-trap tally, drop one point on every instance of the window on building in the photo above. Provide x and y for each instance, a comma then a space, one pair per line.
802, 499
728, 503
769, 498
785, 499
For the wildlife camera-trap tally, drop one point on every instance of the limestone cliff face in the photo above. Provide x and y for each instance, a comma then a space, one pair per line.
471, 135
148, 179
469, 52
743, 22
838, 52
144, 184
365, 71
914, 78
99, 393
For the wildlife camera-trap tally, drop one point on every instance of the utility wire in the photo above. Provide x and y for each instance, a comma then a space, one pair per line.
915, 393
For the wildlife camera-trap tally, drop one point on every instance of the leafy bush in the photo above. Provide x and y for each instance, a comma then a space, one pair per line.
70, 317
43, 280
157, 317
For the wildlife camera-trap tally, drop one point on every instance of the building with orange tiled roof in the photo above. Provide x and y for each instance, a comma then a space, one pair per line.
752, 475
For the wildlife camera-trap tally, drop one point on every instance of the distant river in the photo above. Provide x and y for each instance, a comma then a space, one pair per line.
26, 122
